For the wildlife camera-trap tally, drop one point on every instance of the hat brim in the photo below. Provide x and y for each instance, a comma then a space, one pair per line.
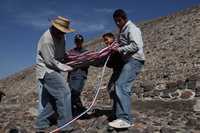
63, 29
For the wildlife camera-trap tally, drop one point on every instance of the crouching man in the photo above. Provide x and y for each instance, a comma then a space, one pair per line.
54, 93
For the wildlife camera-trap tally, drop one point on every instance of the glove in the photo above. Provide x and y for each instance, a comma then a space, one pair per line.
114, 49
64, 67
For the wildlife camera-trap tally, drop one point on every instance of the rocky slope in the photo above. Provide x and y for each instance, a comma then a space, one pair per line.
166, 94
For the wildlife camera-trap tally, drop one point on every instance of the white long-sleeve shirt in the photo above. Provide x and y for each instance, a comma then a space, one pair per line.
130, 40
50, 54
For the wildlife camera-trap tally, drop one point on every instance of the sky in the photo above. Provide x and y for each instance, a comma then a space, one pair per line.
22, 22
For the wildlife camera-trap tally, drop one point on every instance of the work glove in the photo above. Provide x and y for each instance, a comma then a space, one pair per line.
64, 67
114, 49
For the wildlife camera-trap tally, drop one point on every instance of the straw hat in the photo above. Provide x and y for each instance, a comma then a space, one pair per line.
62, 24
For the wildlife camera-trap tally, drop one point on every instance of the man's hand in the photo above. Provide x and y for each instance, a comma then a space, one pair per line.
114, 49
64, 67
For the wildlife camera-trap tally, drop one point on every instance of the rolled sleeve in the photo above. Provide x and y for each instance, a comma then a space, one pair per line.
47, 53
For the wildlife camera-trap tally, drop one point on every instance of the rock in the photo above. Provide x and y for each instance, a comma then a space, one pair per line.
100, 122
92, 130
191, 84
1, 95
197, 92
165, 96
196, 107
156, 92
175, 115
173, 123
126, 130
110, 129
147, 86
33, 111
133, 130
138, 90
77, 131
148, 130
167, 130
171, 87
181, 84
175, 94
187, 94
156, 123
148, 94
191, 81
198, 83
134, 97
160, 86
193, 123
14, 130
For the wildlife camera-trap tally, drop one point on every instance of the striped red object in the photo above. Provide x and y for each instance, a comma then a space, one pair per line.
76, 59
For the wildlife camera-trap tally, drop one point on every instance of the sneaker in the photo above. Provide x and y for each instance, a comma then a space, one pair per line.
119, 123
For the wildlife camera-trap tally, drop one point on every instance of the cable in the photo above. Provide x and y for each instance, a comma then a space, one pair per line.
94, 100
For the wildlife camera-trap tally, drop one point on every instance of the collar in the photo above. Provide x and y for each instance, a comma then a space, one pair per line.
126, 25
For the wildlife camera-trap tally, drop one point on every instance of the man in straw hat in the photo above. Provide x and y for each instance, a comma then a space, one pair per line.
54, 92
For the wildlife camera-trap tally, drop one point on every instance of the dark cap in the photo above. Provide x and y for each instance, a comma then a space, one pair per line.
78, 37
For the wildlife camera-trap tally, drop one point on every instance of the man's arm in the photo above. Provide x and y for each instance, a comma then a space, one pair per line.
47, 52
132, 46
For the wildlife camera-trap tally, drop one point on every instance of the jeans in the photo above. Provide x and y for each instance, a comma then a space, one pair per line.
111, 82
76, 83
39, 89
55, 97
123, 89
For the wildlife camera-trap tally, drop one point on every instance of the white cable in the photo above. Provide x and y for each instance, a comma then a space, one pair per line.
94, 100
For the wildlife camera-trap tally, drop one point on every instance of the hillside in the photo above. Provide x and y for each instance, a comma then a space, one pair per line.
166, 94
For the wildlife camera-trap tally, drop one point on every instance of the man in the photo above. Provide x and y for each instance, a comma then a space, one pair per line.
131, 49
77, 78
54, 93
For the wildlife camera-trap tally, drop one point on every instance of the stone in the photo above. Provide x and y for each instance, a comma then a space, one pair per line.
197, 92
175, 94
101, 122
156, 123
175, 115
181, 84
14, 130
134, 97
77, 131
160, 86
138, 90
133, 130
33, 111
147, 86
192, 81
191, 84
171, 87
148, 130
2, 94
92, 130
167, 130
187, 94
196, 107
198, 83
193, 123
156, 92
173, 123
165, 96
148, 94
